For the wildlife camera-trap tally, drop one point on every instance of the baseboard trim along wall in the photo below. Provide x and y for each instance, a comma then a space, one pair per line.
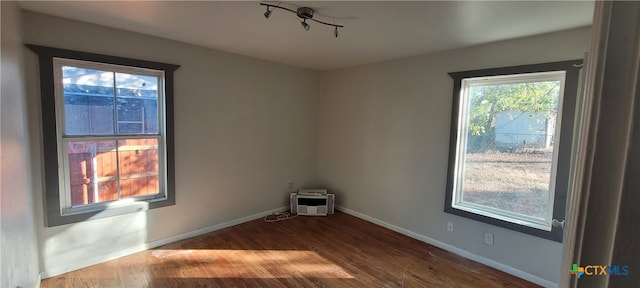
464, 253
153, 244
39, 280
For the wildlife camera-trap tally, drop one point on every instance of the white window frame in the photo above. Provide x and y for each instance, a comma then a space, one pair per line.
461, 148
563, 140
53, 147
62, 139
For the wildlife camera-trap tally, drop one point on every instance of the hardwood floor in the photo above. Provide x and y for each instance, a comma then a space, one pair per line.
335, 251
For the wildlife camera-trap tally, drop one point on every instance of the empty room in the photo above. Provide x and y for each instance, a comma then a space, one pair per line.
320, 144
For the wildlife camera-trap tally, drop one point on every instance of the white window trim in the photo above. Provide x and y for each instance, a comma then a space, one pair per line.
500, 214
64, 182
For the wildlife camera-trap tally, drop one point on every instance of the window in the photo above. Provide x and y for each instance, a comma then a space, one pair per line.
107, 130
510, 144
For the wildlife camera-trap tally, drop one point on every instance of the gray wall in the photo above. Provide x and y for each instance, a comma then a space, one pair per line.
18, 253
384, 142
243, 129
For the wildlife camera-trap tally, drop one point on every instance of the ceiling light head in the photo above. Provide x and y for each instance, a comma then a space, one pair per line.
335, 32
305, 12
305, 25
267, 14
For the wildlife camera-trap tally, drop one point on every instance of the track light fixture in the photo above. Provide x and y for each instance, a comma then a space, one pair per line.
304, 13
305, 25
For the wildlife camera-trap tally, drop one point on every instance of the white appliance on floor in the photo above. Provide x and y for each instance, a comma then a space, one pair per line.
312, 202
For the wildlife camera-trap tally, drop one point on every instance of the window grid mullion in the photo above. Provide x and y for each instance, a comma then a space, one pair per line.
118, 167
116, 128
115, 106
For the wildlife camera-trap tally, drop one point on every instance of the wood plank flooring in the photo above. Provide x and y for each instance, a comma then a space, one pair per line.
335, 251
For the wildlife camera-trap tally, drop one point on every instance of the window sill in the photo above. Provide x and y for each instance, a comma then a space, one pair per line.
105, 210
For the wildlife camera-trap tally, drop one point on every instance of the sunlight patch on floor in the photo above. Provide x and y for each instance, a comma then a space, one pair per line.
214, 263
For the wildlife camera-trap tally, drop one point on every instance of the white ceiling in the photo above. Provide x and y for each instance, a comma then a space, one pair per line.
373, 32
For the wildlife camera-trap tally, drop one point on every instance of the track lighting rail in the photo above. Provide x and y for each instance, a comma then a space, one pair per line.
304, 13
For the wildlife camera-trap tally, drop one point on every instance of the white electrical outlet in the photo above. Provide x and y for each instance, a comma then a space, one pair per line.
488, 238
450, 226
290, 184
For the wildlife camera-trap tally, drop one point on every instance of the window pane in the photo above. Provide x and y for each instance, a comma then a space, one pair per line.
139, 164
137, 104
129, 128
92, 171
88, 101
510, 142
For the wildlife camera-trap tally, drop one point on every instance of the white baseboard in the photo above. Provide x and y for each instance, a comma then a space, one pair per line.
121, 253
39, 280
464, 253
